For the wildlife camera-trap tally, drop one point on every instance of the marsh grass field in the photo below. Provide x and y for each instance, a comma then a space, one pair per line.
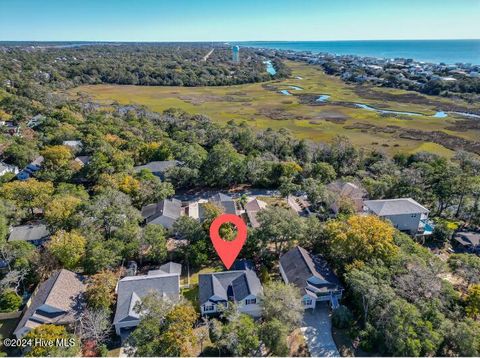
262, 106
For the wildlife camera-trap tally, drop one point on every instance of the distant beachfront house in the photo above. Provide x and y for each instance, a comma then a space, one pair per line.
7, 168
30, 170
346, 191
405, 214
242, 287
252, 208
35, 121
312, 275
132, 289
11, 128
58, 300
158, 168
35, 234
76, 145
165, 212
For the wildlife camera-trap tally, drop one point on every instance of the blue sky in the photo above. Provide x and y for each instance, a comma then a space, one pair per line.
241, 20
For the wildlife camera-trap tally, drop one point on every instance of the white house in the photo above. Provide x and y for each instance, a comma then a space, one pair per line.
405, 214
76, 145
7, 168
242, 287
312, 276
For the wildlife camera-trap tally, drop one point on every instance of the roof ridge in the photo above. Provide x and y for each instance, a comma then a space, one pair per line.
248, 283
301, 250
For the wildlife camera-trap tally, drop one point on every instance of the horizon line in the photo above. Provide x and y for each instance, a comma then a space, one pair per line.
233, 41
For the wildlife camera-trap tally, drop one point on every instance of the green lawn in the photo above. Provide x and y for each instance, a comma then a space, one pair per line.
191, 293
262, 106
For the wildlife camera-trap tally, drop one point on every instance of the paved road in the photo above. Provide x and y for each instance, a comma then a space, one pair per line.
205, 194
205, 58
317, 330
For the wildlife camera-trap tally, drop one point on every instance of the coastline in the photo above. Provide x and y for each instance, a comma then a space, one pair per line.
428, 51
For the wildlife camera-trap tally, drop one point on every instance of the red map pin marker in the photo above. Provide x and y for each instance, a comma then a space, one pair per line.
228, 250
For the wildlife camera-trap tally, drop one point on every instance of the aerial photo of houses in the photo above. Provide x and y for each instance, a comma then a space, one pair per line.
252, 179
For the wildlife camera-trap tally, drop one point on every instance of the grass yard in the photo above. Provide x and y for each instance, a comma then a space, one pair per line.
262, 106
191, 293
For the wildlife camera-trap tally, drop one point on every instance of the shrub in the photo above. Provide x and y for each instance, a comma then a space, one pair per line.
10, 301
342, 317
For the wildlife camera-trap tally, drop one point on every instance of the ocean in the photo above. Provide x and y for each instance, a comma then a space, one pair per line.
435, 51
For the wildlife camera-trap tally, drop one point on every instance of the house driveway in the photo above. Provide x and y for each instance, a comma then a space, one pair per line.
317, 329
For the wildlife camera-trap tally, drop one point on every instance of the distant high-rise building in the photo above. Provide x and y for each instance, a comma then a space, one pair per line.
236, 54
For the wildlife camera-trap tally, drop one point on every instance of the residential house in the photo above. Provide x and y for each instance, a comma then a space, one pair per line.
158, 168
35, 121
58, 300
252, 208
31, 169
165, 212
168, 268
242, 287
346, 191
405, 214
312, 275
11, 128
193, 209
7, 168
299, 204
82, 160
132, 289
76, 145
35, 234
226, 204
467, 241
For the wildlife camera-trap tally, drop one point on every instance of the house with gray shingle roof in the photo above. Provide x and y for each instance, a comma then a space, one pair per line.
252, 208
169, 267
312, 275
165, 212
131, 289
158, 168
224, 202
58, 300
405, 214
36, 234
217, 289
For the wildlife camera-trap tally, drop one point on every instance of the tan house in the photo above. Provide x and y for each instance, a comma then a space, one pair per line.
58, 300
346, 191
252, 208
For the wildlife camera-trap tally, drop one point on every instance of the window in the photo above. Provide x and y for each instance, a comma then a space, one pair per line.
307, 301
208, 308
250, 301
